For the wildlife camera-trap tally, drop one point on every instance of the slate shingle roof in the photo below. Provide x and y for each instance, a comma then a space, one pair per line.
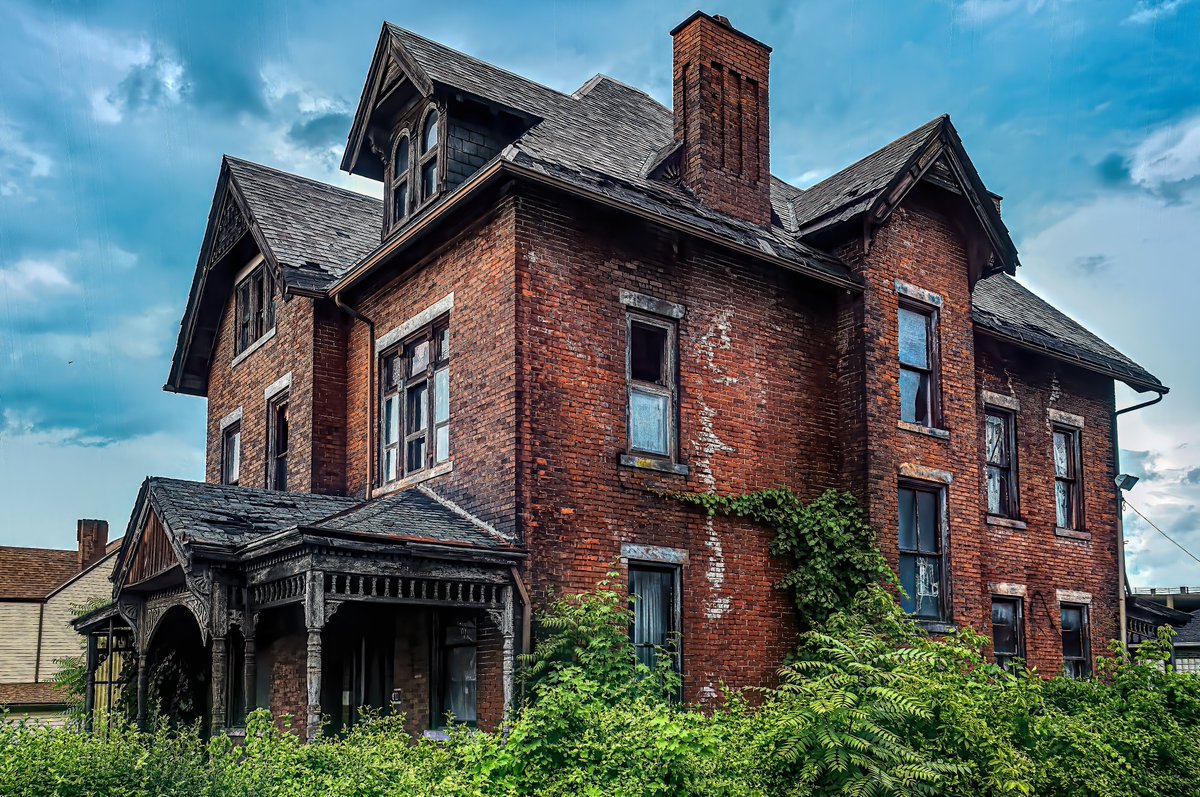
219, 514
316, 231
1003, 305
1189, 634
34, 572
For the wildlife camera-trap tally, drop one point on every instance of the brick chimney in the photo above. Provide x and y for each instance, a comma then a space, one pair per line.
93, 537
721, 116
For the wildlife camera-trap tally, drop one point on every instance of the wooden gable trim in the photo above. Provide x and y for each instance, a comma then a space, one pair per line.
151, 536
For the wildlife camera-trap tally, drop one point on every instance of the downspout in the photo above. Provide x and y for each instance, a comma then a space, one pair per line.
1123, 589
371, 417
37, 661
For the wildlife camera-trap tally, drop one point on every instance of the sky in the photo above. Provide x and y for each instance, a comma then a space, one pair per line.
1084, 115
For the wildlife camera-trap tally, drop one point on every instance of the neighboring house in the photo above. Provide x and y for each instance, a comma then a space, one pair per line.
1178, 607
428, 414
40, 592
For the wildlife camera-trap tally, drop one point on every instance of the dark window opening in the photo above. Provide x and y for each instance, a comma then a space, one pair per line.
922, 569
428, 160
1076, 640
231, 453
254, 308
652, 386
457, 647
235, 683
1000, 442
918, 373
655, 622
400, 167
415, 405
1008, 631
1067, 493
277, 443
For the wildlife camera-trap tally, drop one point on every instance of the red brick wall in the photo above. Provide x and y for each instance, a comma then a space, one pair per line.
758, 409
288, 655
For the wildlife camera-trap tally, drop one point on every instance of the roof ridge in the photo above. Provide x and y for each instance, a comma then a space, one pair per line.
310, 180
896, 140
34, 548
428, 492
394, 27
600, 77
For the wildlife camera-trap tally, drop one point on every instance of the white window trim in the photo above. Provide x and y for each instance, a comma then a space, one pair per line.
1065, 418
424, 318
278, 386
652, 554
231, 419
920, 294
909, 470
650, 304
1073, 596
1008, 590
1002, 401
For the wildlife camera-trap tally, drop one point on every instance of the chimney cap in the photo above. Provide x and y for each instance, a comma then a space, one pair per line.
717, 20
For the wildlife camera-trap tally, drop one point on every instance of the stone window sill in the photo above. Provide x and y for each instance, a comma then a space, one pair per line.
253, 347
937, 626
929, 431
1072, 534
1006, 522
416, 478
651, 463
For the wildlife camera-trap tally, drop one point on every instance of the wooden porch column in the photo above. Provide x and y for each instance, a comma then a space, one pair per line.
503, 619
89, 700
143, 681
314, 621
218, 684
249, 664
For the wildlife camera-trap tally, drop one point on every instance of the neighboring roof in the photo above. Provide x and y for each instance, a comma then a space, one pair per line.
415, 515
1189, 634
1006, 308
339, 228
31, 573
31, 694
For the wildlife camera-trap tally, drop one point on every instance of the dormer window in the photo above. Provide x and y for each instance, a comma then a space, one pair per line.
400, 164
428, 160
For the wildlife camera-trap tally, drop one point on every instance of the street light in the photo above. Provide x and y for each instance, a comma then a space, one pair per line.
1125, 481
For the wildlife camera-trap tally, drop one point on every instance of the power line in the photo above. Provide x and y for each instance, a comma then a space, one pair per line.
1160, 531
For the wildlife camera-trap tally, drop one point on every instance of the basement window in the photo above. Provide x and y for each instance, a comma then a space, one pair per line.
918, 364
1000, 441
1008, 632
652, 386
277, 443
1076, 640
231, 453
1068, 497
415, 403
254, 308
922, 569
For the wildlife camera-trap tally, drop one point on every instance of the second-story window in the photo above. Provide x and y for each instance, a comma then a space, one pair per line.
231, 453
922, 570
415, 406
918, 365
277, 443
428, 159
651, 356
1000, 445
400, 178
1068, 498
254, 308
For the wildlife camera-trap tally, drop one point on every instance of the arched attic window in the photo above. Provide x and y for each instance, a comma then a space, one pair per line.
428, 159
400, 179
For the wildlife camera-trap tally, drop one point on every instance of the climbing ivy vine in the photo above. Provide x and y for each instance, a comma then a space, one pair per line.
832, 548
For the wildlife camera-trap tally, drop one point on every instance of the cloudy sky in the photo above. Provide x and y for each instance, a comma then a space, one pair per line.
1085, 115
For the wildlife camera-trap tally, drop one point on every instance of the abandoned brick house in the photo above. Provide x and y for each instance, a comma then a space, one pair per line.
428, 413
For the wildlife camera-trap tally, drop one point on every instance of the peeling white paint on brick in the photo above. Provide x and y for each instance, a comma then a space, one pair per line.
717, 605
715, 338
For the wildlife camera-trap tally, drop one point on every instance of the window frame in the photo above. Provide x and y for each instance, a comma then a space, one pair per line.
403, 136
232, 432
1008, 662
423, 157
1074, 478
1085, 640
439, 661
933, 371
279, 401
670, 390
254, 308
942, 537
1012, 510
674, 632
430, 334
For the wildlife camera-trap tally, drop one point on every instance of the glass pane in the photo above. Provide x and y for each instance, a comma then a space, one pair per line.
460, 683
418, 408
908, 520
928, 532
400, 163
648, 422
1062, 504
995, 505
997, 440
912, 398
441, 396
908, 580
418, 357
652, 611
391, 420
648, 353
443, 343
442, 452
416, 454
429, 179
1072, 644
1061, 454
914, 338
400, 201
429, 137
389, 465
1070, 618
1004, 628
928, 586
391, 372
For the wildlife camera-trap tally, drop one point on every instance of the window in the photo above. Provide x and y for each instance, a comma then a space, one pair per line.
922, 571
1076, 640
918, 382
277, 443
652, 593
652, 386
1000, 443
1067, 495
231, 453
400, 163
255, 308
457, 644
415, 406
428, 160
1008, 631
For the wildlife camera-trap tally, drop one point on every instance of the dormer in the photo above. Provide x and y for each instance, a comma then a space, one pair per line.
429, 118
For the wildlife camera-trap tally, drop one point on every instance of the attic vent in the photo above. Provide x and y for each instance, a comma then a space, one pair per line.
667, 170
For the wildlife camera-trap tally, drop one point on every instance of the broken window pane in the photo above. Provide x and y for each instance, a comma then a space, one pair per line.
1062, 505
647, 353
1062, 456
997, 440
914, 338
920, 551
921, 578
648, 422
914, 396
418, 357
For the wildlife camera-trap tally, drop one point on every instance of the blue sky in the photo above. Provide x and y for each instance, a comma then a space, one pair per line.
113, 117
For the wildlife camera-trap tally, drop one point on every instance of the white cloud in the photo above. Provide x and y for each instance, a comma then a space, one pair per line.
29, 277
1169, 155
20, 162
1148, 11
